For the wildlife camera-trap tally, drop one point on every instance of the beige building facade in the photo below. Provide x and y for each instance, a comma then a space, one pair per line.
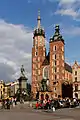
76, 80
14, 87
10, 89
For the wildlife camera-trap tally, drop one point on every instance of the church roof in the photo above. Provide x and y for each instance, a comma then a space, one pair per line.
76, 65
68, 68
45, 62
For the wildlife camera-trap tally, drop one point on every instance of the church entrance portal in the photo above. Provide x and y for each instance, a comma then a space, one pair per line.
67, 90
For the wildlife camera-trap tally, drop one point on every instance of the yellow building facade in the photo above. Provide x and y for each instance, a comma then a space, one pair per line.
2, 89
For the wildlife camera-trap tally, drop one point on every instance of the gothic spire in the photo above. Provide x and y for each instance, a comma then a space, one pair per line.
39, 31
38, 19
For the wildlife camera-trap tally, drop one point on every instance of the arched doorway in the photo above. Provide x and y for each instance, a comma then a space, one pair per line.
67, 90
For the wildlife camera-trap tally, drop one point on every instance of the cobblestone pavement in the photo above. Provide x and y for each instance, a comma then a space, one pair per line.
23, 112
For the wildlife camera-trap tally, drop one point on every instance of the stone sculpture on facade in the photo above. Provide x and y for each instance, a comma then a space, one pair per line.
44, 85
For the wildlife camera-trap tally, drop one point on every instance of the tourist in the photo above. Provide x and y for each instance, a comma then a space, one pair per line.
37, 105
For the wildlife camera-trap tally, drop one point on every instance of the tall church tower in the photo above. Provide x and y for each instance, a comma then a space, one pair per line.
38, 56
57, 68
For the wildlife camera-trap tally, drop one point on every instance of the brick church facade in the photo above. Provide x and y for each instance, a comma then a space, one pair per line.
51, 66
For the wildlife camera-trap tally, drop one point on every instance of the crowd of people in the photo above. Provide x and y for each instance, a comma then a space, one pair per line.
8, 103
58, 103
43, 103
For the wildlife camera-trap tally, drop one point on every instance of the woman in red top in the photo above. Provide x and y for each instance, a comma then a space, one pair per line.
37, 105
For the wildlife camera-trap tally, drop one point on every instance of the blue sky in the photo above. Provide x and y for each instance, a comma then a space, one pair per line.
21, 16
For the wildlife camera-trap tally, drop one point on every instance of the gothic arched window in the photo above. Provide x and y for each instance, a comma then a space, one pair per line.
46, 72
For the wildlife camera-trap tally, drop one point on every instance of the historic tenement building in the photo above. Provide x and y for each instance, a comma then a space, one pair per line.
2, 87
50, 67
76, 80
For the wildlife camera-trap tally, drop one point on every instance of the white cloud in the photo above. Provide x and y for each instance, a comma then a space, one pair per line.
69, 8
66, 2
63, 1
15, 50
68, 12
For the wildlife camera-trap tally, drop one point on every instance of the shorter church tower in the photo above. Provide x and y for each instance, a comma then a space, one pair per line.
57, 68
38, 56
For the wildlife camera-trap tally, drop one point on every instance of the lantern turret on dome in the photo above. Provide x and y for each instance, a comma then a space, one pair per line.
57, 36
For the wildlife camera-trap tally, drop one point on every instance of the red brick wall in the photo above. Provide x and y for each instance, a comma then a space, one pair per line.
59, 65
37, 61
